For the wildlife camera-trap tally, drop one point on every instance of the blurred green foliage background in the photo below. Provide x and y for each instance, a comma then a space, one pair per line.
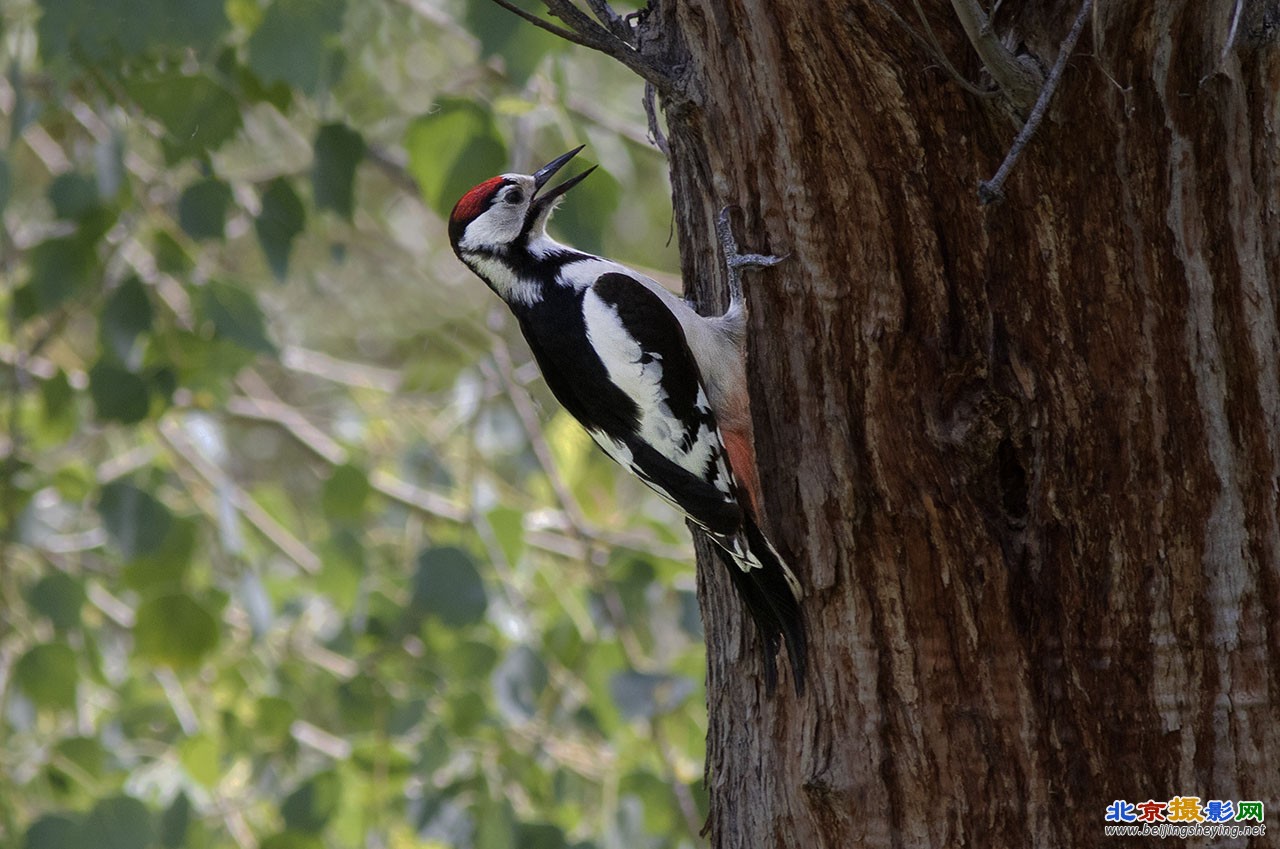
295, 549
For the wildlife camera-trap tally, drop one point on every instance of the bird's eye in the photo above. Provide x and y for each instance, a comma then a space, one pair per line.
515, 196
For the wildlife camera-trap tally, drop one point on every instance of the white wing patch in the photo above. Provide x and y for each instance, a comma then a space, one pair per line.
639, 374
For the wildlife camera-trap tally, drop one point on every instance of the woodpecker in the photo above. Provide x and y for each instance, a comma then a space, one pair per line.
661, 389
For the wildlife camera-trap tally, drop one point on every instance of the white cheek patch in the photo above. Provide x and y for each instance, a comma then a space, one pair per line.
498, 226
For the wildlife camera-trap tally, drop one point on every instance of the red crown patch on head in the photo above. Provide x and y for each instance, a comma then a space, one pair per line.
474, 202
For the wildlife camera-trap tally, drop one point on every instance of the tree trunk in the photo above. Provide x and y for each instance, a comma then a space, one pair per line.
1025, 457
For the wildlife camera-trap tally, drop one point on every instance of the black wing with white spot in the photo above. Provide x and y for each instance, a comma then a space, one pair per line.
674, 443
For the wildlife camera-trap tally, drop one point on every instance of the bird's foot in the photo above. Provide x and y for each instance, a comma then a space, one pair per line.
735, 261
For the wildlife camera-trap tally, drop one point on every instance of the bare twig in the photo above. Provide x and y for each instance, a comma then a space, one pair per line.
392, 166
583, 30
345, 372
651, 112
528, 416
261, 404
253, 512
540, 23
929, 42
1018, 80
178, 701
416, 498
591, 111
581, 23
992, 190
684, 799
572, 537
611, 20
1231, 33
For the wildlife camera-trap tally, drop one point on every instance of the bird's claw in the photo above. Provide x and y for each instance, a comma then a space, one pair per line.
734, 260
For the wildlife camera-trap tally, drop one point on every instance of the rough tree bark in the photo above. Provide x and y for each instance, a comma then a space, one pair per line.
1026, 456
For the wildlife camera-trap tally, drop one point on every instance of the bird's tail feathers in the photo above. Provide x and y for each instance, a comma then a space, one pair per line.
771, 594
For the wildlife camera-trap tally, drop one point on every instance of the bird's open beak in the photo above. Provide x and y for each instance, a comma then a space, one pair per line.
545, 173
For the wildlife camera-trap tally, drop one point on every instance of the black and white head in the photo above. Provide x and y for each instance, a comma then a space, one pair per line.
508, 209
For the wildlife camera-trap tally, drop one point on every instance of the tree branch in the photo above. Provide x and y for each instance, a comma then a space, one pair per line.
1018, 79
612, 20
218, 482
581, 23
569, 538
651, 112
567, 35
583, 30
523, 406
993, 190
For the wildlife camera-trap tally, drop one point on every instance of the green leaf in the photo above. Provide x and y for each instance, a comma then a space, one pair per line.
448, 586
47, 674
58, 597
198, 114
120, 822
518, 683
297, 43
174, 630
273, 717
312, 805
126, 315
508, 528
118, 394
6, 181
338, 150
59, 412
85, 31
235, 315
136, 521
292, 840
496, 826
252, 89
171, 257
643, 695
106, 31
471, 660
53, 831
343, 566
164, 567
452, 149
281, 221
202, 209
200, 756
175, 822
86, 753
204, 362
345, 494
73, 195
75, 481
465, 713
656, 795
60, 268
198, 24
520, 46
363, 702
245, 14
584, 218
540, 836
